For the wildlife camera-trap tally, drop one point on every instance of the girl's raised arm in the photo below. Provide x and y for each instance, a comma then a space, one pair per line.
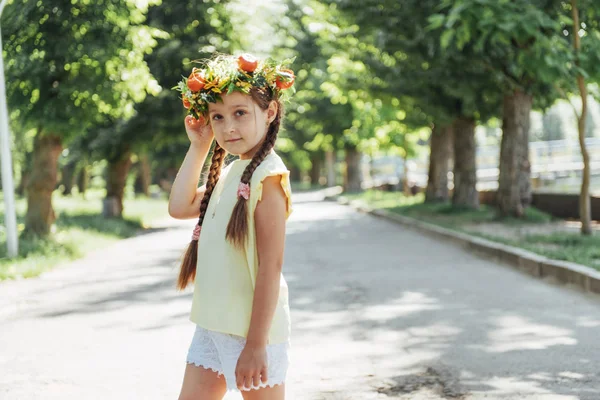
185, 197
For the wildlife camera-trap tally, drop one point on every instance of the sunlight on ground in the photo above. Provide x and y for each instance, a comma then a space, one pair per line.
517, 333
588, 322
409, 303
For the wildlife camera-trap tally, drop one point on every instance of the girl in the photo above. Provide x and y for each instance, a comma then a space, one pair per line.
240, 302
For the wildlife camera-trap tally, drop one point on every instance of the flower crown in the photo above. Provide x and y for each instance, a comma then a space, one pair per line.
225, 74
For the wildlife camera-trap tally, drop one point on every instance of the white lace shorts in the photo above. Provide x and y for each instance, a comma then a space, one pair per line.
220, 352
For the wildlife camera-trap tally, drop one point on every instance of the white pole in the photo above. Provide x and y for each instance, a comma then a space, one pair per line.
10, 216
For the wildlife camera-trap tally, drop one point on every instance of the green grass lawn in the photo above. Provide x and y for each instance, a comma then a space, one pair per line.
79, 228
537, 231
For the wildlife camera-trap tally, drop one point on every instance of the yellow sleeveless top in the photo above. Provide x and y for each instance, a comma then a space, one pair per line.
225, 275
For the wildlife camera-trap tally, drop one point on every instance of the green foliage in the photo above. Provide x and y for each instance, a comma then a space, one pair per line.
71, 64
317, 117
195, 30
431, 82
339, 103
525, 45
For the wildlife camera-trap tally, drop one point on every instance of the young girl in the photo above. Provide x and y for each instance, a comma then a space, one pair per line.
240, 302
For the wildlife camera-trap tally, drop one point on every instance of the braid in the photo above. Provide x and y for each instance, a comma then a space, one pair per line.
237, 229
213, 177
187, 272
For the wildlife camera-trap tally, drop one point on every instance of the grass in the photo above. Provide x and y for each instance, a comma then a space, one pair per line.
572, 247
79, 228
556, 244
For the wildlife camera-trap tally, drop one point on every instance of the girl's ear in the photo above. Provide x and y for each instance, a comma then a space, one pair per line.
272, 111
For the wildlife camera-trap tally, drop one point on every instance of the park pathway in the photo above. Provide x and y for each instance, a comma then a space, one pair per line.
378, 312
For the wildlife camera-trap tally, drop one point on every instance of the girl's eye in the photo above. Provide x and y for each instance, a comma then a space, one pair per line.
240, 112
216, 117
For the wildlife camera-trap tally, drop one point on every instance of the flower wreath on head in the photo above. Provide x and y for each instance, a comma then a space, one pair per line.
225, 74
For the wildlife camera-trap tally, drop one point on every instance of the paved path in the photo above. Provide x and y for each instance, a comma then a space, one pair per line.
379, 312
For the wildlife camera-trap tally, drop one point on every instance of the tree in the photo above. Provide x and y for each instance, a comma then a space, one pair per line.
581, 24
184, 31
525, 45
585, 212
516, 43
326, 118
63, 87
442, 81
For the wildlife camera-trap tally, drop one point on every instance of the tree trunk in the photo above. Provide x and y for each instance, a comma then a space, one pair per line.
143, 178
514, 187
115, 186
295, 174
25, 173
353, 176
137, 182
68, 177
465, 168
585, 212
20, 190
315, 169
83, 178
330, 164
405, 181
42, 182
439, 164
525, 187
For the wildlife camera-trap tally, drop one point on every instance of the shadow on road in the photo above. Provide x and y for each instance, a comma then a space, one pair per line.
416, 312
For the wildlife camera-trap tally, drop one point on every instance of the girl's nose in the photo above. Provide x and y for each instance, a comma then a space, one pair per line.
230, 126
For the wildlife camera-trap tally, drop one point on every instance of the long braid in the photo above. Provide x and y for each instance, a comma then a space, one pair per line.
213, 177
237, 229
187, 272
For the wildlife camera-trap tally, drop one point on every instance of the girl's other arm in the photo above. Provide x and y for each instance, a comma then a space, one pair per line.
185, 197
269, 219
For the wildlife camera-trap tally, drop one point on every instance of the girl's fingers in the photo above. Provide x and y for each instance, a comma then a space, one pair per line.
239, 380
256, 380
264, 375
192, 122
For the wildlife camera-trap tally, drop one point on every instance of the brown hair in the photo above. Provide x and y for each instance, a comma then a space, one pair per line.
237, 229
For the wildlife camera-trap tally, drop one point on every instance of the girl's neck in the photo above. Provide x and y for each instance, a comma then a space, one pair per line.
249, 155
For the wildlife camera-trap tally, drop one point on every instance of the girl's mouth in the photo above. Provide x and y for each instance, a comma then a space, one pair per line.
233, 140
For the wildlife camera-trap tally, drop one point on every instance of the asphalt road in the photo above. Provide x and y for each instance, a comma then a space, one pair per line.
378, 312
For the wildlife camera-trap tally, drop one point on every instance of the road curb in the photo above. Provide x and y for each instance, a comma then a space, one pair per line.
585, 278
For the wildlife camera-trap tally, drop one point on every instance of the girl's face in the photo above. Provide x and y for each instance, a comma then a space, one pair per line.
239, 124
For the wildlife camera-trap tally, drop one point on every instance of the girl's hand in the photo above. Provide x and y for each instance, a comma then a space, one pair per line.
251, 367
198, 131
